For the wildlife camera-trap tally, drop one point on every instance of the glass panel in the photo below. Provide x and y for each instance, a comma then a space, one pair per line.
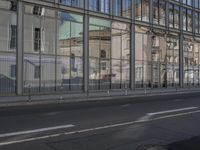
108, 48
162, 8
176, 16
148, 74
8, 45
63, 73
125, 83
138, 10
31, 80
184, 19
47, 73
71, 47
100, 5
117, 7
145, 10
116, 74
75, 3
126, 8
105, 76
76, 73
94, 74
189, 20
171, 15
155, 11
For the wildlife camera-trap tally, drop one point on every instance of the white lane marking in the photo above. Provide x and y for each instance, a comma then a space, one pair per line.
177, 115
126, 105
170, 111
35, 131
51, 113
178, 100
95, 129
144, 118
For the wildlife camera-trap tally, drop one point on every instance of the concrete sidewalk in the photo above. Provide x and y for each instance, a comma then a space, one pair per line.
30, 99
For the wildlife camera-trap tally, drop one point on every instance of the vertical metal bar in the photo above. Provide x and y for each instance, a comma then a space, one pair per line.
70, 58
167, 14
111, 60
19, 52
56, 47
181, 50
151, 11
86, 48
132, 48
40, 57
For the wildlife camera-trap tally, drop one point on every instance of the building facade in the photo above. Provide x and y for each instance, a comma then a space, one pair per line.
63, 46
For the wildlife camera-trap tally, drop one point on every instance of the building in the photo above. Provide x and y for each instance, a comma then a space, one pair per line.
54, 46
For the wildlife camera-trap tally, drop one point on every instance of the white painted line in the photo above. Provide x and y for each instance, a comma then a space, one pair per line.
126, 105
170, 111
35, 131
178, 100
51, 113
96, 129
176, 115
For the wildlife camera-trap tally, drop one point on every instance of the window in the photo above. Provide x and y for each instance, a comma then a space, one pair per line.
176, 16
184, 19
13, 71
155, 11
122, 8
37, 39
189, 20
103, 65
196, 18
13, 6
173, 16
37, 10
196, 3
37, 72
159, 12
142, 10
103, 54
13, 36
75, 3
100, 5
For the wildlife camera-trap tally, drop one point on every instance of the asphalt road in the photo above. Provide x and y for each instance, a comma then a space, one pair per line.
170, 121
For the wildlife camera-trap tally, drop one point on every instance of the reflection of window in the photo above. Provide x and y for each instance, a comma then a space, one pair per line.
37, 10
63, 70
13, 71
73, 63
13, 6
122, 7
13, 36
37, 39
103, 65
99, 5
37, 72
103, 54
142, 10
76, 3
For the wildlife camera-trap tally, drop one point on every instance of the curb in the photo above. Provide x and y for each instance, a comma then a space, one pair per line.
98, 99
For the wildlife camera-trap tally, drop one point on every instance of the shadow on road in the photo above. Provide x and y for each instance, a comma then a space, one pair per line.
188, 144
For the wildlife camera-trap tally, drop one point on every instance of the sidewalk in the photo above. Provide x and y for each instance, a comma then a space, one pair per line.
90, 96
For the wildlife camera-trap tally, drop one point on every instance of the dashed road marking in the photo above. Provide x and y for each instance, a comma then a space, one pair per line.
35, 131
170, 111
141, 120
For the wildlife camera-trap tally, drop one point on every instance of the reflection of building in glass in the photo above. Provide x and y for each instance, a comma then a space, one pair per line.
76, 45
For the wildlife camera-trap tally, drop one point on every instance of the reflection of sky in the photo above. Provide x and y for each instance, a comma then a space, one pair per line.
67, 23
